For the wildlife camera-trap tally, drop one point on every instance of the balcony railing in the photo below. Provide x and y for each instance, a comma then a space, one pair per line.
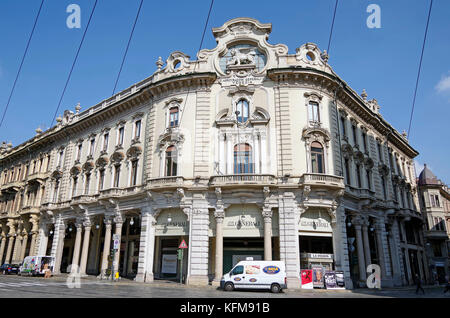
166, 182
38, 176
243, 179
322, 179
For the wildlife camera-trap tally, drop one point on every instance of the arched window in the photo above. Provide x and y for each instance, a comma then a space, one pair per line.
171, 161
173, 116
243, 160
317, 162
243, 109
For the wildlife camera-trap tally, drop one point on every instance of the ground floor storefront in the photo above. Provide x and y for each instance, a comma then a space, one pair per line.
142, 239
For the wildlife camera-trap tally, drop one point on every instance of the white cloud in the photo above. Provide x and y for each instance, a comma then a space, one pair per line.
444, 84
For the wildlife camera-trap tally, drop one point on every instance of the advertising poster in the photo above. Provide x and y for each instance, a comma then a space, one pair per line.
318, 279
169, 264
330, 280
306, 275
340, 281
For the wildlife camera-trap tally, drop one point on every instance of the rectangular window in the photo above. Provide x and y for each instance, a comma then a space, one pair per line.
80, 146
383, 185
120, 137
86, 185
347, 172
358, 175
60, 159
137, 129
105, 141
173, 117
134, 166
55, 191
116, 176
380, 153
355, 136
369, 183
101, 179
313, 112
92, 147
364, 138
74, 186
344, 131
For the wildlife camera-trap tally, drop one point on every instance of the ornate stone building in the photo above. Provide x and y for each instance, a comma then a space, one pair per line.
435, 205
248, 150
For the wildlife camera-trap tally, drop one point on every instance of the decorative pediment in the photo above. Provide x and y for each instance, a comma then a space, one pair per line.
318, 134
75, 170
88, 166
117, 157
368, 163
359, 157
134, 152
347, 151
102, 162
383, 169
177, 61
56, 175
310, 54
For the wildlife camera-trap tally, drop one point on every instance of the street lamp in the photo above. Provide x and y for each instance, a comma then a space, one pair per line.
132, 221
169, 218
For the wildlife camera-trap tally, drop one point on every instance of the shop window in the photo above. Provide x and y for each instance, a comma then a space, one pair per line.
243, 161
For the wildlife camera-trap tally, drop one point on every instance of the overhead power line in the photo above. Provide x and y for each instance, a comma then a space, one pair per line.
199, 48
420, 67
21, 63
74, 62
128, 46
332, 26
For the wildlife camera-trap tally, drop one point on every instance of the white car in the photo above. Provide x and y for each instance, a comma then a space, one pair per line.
251, 274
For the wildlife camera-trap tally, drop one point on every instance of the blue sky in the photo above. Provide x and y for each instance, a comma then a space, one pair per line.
383, 61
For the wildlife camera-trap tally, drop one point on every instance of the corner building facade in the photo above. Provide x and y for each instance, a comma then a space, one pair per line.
246, 151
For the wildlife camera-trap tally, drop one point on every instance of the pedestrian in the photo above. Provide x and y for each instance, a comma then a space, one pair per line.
419, 285
447, 286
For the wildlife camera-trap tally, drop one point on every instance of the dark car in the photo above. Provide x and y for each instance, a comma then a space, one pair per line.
7, 269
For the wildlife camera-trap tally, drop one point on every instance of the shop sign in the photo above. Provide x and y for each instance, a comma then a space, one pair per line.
319, 256
315, 221
243, 222
306, 277
178, 224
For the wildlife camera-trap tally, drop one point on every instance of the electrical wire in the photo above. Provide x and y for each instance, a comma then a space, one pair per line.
195, 66
420, 67
128, 46
21, 63
332, 26
74, 62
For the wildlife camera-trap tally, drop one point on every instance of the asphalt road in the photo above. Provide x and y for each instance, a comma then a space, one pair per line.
57, 287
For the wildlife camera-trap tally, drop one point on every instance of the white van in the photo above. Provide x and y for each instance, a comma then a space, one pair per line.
35, 265
256, 275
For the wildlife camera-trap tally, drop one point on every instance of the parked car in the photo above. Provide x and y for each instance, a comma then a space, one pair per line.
251, 274
7, 269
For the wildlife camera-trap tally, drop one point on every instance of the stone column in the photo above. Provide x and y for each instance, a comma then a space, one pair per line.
380, 247
118, 232
146, 246
267, 215
106, 246
85, 250
360, 250
76, 249
24, 247
366, 243
12, 237
58, 244
34, 234
396, 271
2, 247
219, 216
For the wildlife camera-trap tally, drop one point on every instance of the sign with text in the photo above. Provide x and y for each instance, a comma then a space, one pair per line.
315, 221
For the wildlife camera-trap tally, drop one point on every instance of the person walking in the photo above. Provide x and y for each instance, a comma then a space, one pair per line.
419, 285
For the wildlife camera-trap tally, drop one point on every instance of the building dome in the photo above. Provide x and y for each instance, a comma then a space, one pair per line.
427, 177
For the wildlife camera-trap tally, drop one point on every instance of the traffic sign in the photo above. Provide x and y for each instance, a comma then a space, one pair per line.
183, 245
